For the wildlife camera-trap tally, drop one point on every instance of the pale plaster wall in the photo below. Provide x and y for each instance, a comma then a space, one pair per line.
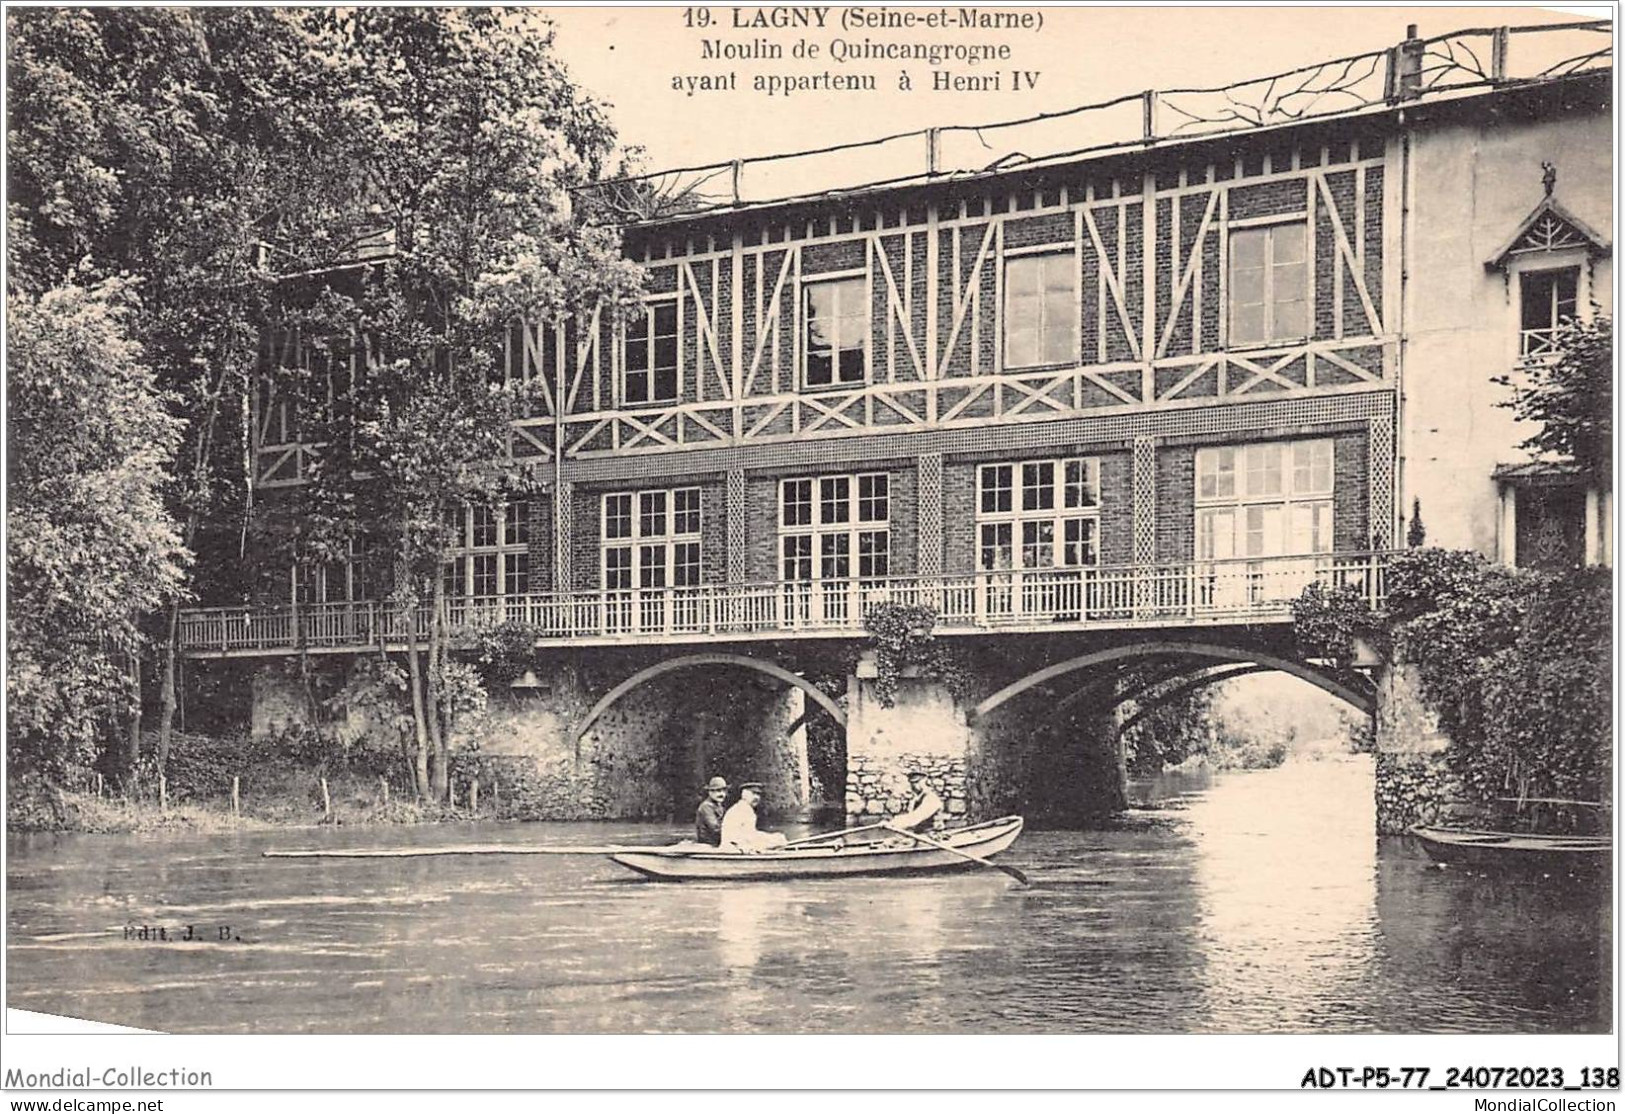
1472, 185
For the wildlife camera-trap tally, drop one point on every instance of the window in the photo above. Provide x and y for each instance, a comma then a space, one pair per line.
1548, 297
835, 527
651, 540
1265, 500
1269, 284
651, 355
834, 545
1040, 514
490, 553
837, 338
1041, 310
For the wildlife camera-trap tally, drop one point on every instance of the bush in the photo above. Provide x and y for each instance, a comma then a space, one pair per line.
1516, 663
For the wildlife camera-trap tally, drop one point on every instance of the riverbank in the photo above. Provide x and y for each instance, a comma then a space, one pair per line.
35, 806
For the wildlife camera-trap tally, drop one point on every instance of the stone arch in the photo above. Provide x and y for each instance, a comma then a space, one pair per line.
690, 661
1363, 702
1209, 676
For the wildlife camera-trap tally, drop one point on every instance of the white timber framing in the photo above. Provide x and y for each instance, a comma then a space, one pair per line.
928, 366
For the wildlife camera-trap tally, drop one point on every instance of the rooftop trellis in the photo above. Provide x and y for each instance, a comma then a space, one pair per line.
1458, 62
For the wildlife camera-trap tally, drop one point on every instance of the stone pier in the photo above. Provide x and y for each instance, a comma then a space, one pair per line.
1414, 781
924, 729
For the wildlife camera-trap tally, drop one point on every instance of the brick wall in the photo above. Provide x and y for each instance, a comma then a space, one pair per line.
1176, 501
1116, 508
1351, 501
541, 541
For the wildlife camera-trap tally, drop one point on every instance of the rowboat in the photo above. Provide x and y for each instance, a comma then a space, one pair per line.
1515, 851
828, 859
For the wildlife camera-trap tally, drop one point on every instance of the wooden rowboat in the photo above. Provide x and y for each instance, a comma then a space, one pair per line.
1520, 851
825, 860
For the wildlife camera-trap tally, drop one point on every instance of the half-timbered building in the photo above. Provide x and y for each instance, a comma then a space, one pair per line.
1162, 383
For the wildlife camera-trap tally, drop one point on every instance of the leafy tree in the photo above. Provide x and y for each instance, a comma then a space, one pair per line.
151, 142
1572, 396
90, 547
457, 135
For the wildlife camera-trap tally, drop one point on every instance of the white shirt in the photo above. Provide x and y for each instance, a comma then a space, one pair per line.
739, 830
922, 809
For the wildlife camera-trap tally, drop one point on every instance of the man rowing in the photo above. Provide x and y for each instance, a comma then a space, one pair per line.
739, 832
923, 804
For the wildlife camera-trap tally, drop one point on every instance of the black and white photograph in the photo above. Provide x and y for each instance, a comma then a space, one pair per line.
623, 522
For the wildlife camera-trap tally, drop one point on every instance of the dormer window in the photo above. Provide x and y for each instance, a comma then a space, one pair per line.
1548, 299
1548, 266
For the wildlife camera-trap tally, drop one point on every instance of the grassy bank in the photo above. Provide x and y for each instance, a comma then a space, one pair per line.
41, 807
278, 783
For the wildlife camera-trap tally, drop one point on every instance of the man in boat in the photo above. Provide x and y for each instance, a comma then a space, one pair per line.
923, 804
708, 817
739, 824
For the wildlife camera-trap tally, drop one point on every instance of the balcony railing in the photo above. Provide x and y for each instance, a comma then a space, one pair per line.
1169, 594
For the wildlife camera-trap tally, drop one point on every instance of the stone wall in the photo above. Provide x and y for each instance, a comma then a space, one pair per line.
1414, 782
646, 757
878, 787
279, 699
923, 729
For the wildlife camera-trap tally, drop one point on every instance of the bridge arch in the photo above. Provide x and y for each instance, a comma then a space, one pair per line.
1359, 700
1211, 675
691, 661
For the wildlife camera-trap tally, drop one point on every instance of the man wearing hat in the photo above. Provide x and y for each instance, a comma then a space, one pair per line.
923, 804
739, 825
708, 818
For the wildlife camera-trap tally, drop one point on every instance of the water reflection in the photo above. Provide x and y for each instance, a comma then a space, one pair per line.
745, 917
1253, 902
1285, 862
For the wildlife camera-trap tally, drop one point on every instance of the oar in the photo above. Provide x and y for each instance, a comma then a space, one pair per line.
939, 845
832, 835
476, 849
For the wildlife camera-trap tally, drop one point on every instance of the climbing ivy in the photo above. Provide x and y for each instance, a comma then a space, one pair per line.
1327, 623
902, 639
1516, 663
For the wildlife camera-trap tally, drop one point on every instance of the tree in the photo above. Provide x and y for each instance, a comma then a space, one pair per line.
456, 134
1571, 395
152, 142
91, 548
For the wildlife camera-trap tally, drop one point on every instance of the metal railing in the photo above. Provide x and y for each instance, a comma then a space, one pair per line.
1164, 594
1460, 61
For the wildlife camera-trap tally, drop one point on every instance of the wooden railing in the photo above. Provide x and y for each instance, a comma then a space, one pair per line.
1167, 594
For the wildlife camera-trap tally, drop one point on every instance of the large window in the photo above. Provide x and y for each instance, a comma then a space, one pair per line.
1269, 284
834, 541
1265, 500
1041, 310
651, 355
650, 554
491, 558
651, 539
836, 312
1547, 297
1039, 514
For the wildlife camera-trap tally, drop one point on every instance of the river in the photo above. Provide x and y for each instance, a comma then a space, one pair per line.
1251, 902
